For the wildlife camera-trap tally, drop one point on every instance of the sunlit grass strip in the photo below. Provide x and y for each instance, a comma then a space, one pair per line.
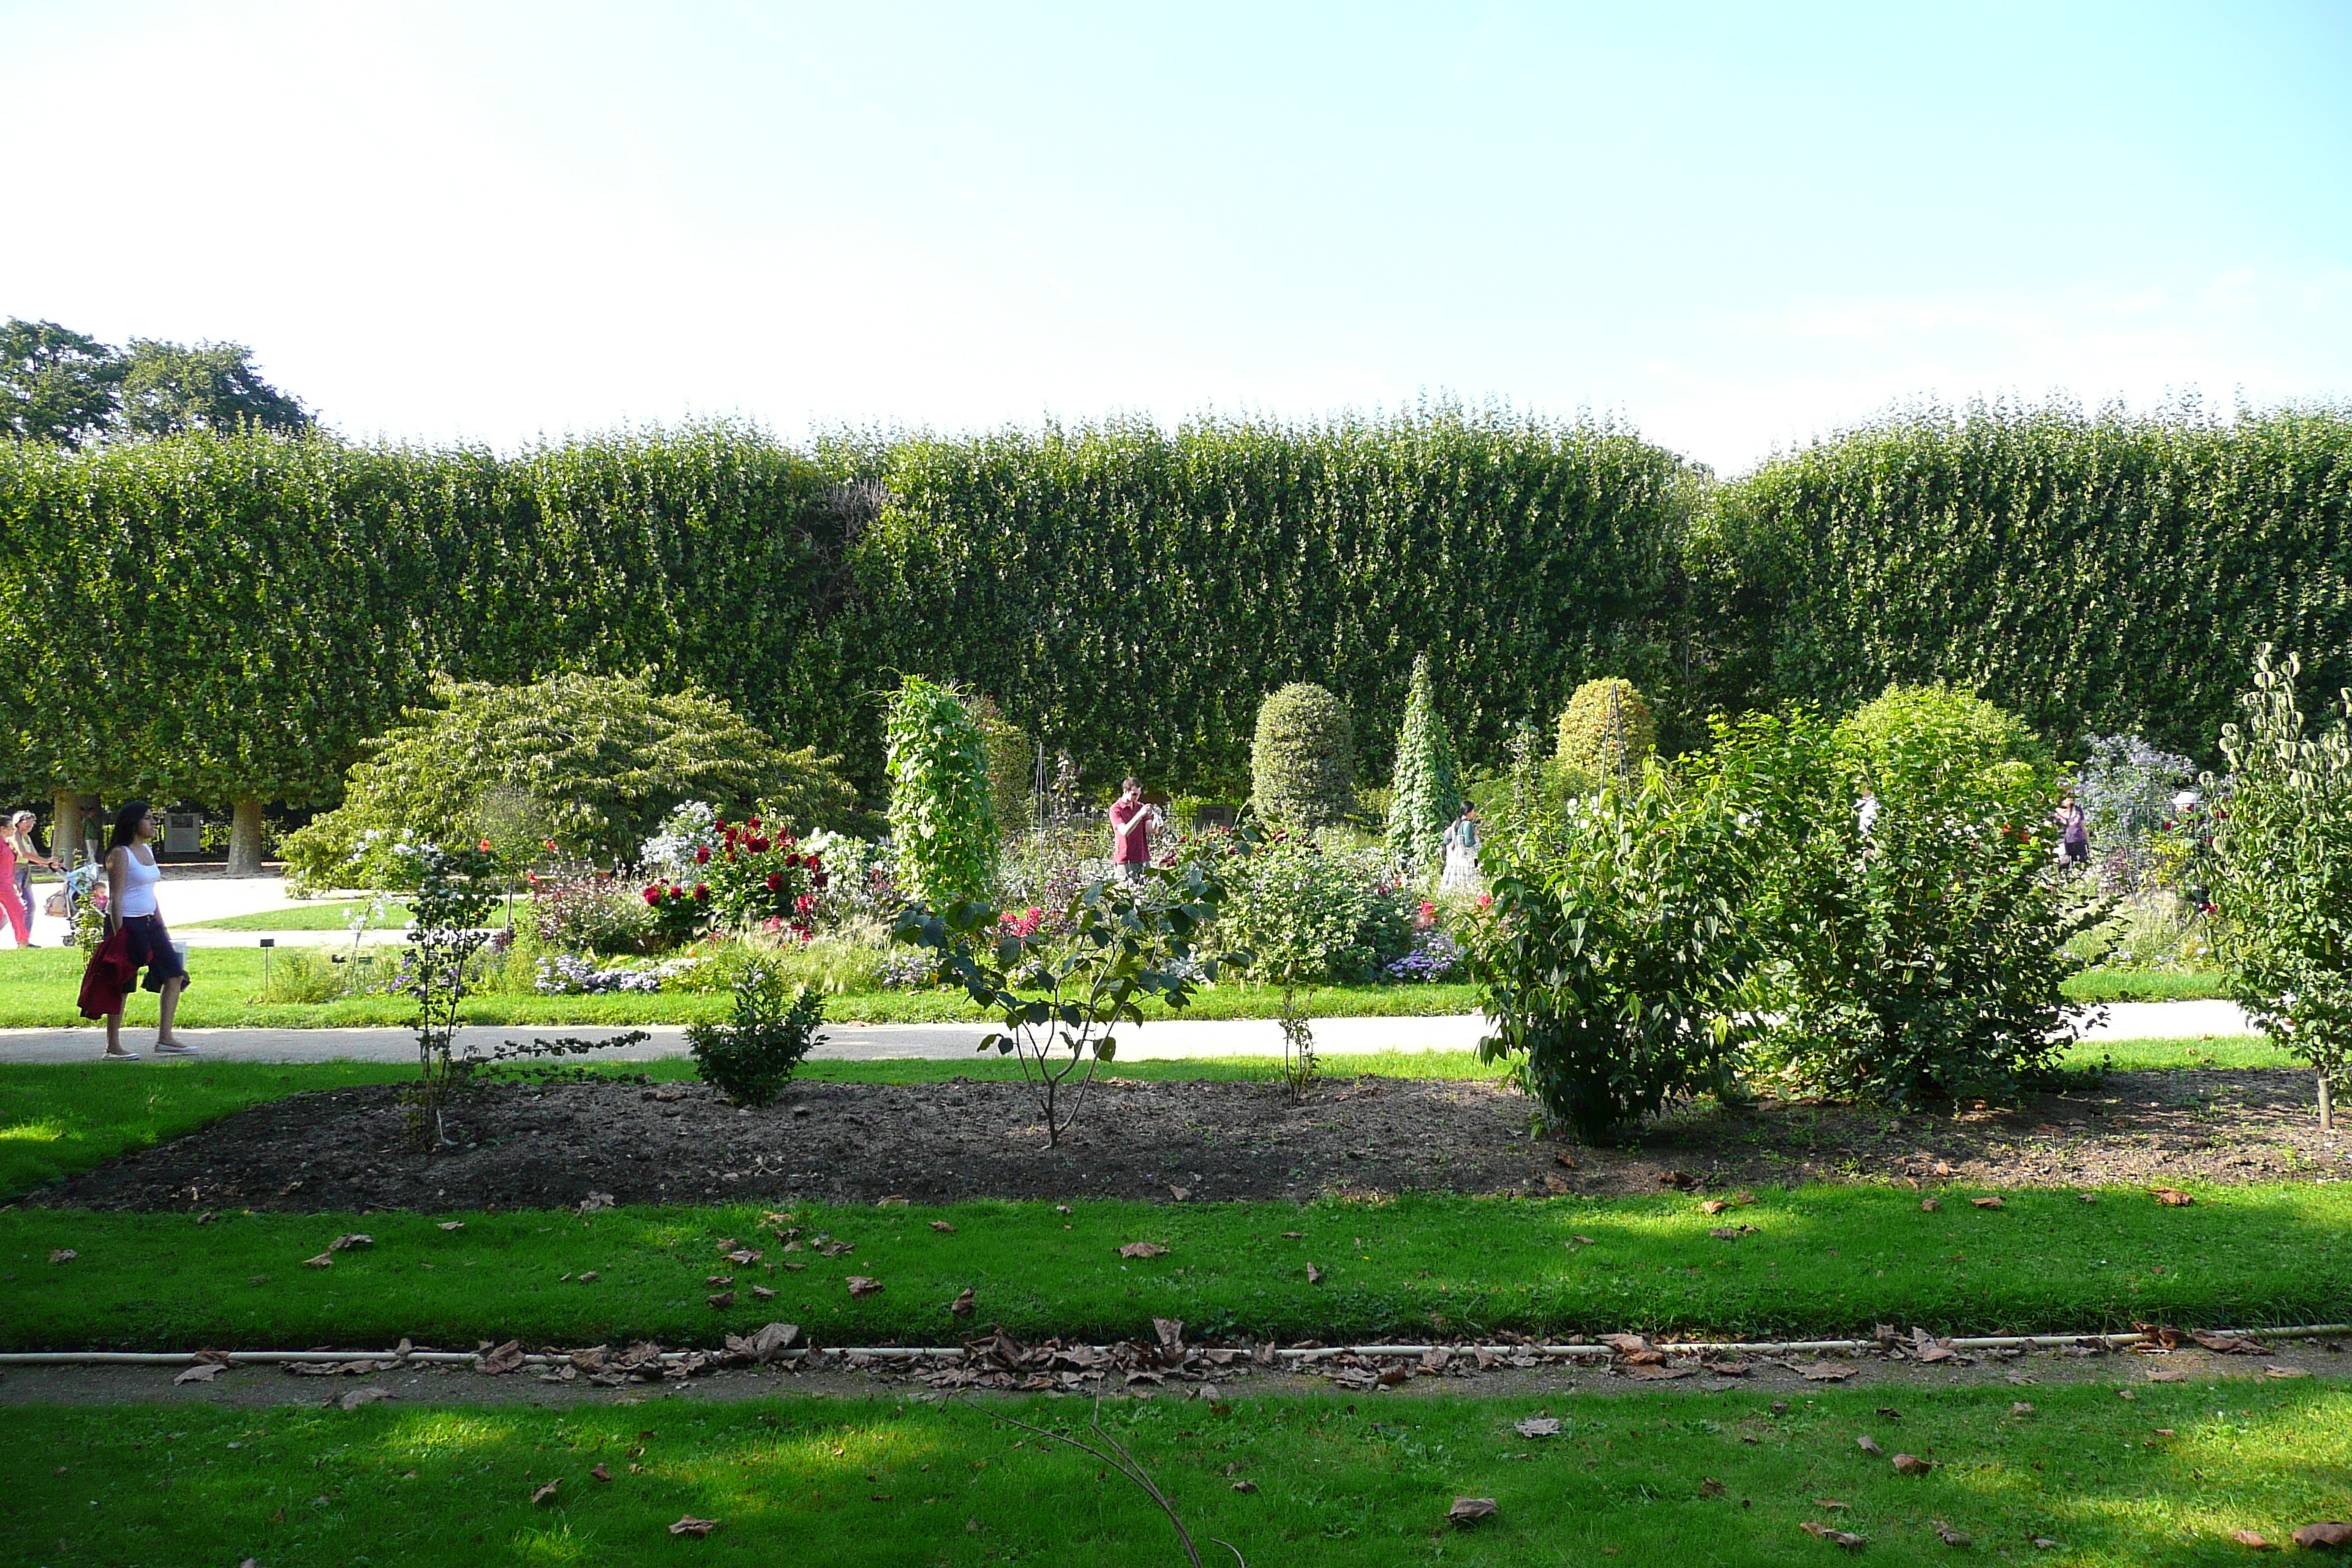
1824, 1262
2160, 1481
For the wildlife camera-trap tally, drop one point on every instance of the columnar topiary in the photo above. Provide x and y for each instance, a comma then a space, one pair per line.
1012, 765
1606, 731
1303, 760
942, 820
1425, 790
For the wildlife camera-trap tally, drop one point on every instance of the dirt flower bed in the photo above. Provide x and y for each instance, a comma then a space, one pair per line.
527, 1147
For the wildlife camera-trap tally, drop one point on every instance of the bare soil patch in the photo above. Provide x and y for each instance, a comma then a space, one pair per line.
539, 1146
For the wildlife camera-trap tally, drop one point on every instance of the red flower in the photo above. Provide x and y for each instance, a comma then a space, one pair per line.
754, 825
793, 861
486, 846
818, 880
758, 847
702, 890
703, 855
775, 882
804, 904
653, 895
551, 843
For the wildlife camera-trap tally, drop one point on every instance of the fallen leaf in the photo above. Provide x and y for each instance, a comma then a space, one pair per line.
1709, 1487
1951, 1537
505, 1358
861, 1287
715, 1280
1583, 1240
1244, 1485
689, 1525
1681, 1179
1928, 1205
1468, 1510
1829, 1503
1940, 1168
1844, 1539
761, 1293
1553, 1184
453, 1225
1826, 1372
1910, 1465
1713, 1206
2043, 1543
206, 1218
600, 1472
1061, 1208
1293, 1235
1180, 1194
743, 1258
1142, 1249
1563, 1159
943, 1227
2088, 1197
589, 1277
203, 1372
324, 1260
2285, 1371
2170, 1197
2330, 1534
1868, 1444
1314, 1275
359, 1397
2167, 1374
1889, 1412
342, 1243
721, 1299
1538, 1426
542, 1494
2126, 1394
2021, 1407
836, 1248
962, 1305
2251, 1540
1992, 1203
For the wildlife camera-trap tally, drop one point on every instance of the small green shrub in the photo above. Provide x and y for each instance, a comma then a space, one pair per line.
1303, 760
1425, 790
1309, 914
942, 821
750, 1057
1606, 733
298, 974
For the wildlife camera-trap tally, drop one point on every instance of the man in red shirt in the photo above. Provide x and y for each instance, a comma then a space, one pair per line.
1130, 833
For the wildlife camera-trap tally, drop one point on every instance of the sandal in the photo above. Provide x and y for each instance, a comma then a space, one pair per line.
174, 1049
118, 1055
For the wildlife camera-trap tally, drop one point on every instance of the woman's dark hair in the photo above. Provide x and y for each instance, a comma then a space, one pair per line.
126, 824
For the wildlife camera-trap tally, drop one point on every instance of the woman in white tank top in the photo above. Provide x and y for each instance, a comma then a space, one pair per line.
130, 877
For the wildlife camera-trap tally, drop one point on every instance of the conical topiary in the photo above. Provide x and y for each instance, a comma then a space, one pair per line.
1303, 760
1606, 731
1425, 790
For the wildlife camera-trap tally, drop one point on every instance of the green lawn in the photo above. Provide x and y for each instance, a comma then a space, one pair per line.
309, 917
37, 988
1823, 1260
1643, 1479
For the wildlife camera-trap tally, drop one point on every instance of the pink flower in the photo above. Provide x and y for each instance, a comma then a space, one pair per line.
1486, 899
804, 904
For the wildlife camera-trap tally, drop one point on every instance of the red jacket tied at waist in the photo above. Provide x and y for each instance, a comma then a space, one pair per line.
110, 975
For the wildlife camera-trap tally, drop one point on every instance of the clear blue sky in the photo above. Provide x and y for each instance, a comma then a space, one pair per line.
1731, 225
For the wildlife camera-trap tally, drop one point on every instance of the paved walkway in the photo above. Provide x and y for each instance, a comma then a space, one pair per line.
955, 1042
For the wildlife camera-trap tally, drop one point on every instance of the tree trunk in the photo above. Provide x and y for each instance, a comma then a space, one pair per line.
245, 837
2326, 1103
64, 827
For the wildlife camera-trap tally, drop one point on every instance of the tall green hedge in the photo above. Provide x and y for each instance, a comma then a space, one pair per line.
2102, 574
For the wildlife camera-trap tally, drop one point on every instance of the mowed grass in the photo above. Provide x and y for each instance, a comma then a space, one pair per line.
336, 916
1820, 1261
38, 987
1647, 1479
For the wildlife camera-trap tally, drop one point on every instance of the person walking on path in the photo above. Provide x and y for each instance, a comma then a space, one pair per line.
20, 836
134, 918
1461, 841
1130, 833
15, 889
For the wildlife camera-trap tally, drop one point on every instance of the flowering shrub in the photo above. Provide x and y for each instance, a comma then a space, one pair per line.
1307, 914
747, 881
565, 975
908, 971
575, 905
681, 912
1434, 956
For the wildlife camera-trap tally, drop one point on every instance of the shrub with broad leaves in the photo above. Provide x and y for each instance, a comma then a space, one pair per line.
751, 1055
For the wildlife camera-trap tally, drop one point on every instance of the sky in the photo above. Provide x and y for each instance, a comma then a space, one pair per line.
1734, 228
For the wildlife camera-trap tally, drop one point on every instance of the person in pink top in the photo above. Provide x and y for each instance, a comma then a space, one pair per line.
12, 904
1130, 833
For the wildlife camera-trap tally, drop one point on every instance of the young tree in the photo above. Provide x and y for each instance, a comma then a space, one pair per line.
57, 385
1425, 790
941, 815
1303, 760
2282, 872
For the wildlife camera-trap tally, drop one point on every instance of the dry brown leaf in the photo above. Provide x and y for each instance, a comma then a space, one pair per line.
1583, 1240
1928, 1205
1061, 1208
1293, 1235
204, 1372
2251, 1540
717, 1281
943, 1227
1314, 1275
1142, 1249
1713, 1206
1709, 1487
546, 1493
1910, 1465
1652, 1374
589, 1277
324, 1260
600, 1472
1563, 1159
64, 1255
836, 1248
1244, 1485
2126, 1394
1940, 1168
1468, 1510
2045, 1543
1991, 1203
344, 1243
761, 1293
743, 1258
721, 1299
861, 1287
2021, 1407
1683, 1180
1180, 1194
1829, 1503
1951, 1537
2285, 1371
359, 1397
2170, 1197
503, 1359
1555, 1185
795, 1268
2328, 1534
2167, 1374
1828, 1372
1728, 1368
1838, 1538
689, 1525
962, 1306
1538, 1426
1868, 1444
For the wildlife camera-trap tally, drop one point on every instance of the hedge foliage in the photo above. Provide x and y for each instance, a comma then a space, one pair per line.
217, 616
1303, 759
